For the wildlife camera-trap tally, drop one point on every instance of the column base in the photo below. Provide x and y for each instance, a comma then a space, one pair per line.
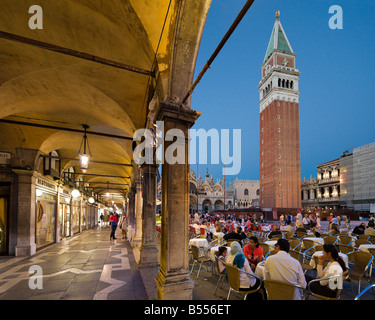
174, 287
149, 257
25, 251
136, 242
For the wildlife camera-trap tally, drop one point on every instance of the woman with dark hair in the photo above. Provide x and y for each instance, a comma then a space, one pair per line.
221, 254
253, 252
336, 265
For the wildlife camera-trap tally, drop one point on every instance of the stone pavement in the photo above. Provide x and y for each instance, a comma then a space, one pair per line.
86, 267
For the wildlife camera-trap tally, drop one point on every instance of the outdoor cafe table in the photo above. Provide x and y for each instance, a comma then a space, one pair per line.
365, 247
200, 243
213, 251
317, 241
319, 253
271, 243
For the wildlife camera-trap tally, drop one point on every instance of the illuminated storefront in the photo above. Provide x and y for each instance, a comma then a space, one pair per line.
64, 214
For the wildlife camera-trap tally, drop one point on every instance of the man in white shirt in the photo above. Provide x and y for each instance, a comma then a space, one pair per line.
282, 267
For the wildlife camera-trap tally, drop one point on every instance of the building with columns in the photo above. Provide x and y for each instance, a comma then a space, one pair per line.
95, 75
280, 173
344, 183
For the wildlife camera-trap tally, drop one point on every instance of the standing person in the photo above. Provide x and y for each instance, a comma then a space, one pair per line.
123, 224
101, 220
113, 222
105, 219
306, 222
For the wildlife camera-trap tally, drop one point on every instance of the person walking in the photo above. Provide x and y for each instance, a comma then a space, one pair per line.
123, 225
113, 223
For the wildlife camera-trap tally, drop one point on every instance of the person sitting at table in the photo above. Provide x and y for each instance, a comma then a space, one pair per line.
282, 267
219, 234
359, 229
289, 227
334, 229
336, 265
300, 228
370, 231
237, 235
221, 254
253, 252
235, 248
274, 232
246, 282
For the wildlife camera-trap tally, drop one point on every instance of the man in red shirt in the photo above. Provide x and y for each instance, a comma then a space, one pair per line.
113, 222
253, 252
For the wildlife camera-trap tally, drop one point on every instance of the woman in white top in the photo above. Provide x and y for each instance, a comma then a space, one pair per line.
336, 265
246, 281
235, 248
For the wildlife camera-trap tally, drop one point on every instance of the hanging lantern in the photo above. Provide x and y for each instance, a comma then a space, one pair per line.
83, 155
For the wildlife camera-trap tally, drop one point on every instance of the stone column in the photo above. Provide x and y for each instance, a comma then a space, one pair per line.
137, 240
149, 251
173, 280
131, 213
26, 198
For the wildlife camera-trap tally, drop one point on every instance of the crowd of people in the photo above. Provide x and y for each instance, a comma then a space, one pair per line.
280, 265
114, 221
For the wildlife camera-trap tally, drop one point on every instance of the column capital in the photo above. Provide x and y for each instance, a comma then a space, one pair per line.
176, 112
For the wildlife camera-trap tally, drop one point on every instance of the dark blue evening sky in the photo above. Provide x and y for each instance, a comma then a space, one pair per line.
337, 82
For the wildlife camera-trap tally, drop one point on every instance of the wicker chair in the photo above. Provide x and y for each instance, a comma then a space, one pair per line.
199, 258
302, 258
229, 242
221, 275
233, 274
362, 262
295, 244
363, 236
372, 239
308, 244
346, 248
279, 290
345, 239
358, 242
266, 248
358, 297
331, 240
288, 235
301, 234
330, 278
270, 253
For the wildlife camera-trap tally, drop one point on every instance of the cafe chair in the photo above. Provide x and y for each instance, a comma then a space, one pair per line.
331, 240
346, 240
308, 244
330, 278
303, 259
199, 258
221, 275
270, 253
363, 236
358, 242
371, 239
301, 235
266, 248
346, 248
229, 241
295, 244
361, 261
233, 274
280, 290
358, 297
288, 235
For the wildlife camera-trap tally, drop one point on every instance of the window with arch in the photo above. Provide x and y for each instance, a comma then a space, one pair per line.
246, 192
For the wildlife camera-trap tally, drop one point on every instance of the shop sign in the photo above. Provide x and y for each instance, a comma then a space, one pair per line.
45, 184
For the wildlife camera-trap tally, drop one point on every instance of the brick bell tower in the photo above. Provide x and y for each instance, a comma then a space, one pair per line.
280, 169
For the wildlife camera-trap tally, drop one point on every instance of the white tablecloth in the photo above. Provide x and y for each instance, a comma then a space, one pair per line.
271, 243
201, 243
365, 247
259, 270
317, 241
213, 251
319, 253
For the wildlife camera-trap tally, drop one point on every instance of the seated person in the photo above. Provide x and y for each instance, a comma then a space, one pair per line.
359, 229
334, 229
235, 235
235, 248
275, 232
253, 252
370, 231
289, 227
300, 228
219, 234
246, 282
221, 254
336, 265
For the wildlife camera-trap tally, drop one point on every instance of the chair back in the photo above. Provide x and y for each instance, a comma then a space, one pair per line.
301, 234
277, 236
294, 243
195, 252
344, 248
217, 265
271, 253
330, 240
372, 239
318, 247
295, 254
279, 290
358, 242
363, 236
265, 247
233, 274
372, 251
288, 235
360, 259
344, 239
308, 244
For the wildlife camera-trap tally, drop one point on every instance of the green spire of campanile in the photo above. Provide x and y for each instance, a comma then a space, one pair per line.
278, 40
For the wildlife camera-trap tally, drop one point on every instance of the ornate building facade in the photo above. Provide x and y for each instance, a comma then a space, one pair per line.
280, 173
